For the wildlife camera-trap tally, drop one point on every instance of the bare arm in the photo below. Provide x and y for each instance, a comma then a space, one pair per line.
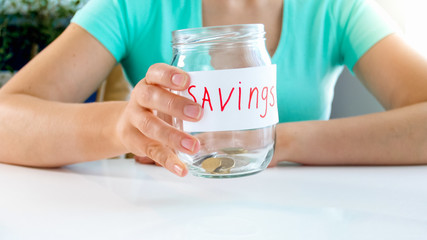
43, 123
397, 76
38, 118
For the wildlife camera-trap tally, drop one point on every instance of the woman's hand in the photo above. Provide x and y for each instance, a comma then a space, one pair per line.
143, 133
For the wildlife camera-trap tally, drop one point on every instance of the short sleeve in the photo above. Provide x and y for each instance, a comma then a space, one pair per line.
104, 20
361, 24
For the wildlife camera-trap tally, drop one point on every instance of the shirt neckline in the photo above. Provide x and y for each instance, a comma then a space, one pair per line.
282, 38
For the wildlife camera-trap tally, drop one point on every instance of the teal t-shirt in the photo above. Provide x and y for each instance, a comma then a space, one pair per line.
318, 38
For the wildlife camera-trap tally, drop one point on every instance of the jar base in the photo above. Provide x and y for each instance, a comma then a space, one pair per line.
229, 162
230, 175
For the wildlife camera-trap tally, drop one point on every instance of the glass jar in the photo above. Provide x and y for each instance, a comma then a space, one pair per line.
233, 79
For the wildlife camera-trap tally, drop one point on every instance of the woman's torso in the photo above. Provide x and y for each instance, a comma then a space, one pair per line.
306, 73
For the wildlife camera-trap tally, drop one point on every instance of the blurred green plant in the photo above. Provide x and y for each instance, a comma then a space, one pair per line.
27, 26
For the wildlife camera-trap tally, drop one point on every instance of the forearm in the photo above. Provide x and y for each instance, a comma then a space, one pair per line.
41, 133
388, 138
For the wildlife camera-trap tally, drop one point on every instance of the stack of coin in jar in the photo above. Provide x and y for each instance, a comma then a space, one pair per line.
217, 164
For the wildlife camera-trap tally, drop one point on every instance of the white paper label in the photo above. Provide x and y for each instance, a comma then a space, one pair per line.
234, 99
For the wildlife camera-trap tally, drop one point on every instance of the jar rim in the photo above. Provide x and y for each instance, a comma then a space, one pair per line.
220, 27
214, 33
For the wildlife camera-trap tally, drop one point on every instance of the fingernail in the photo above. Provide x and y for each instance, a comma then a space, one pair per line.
188, 144
192, 111
178, 170
179, 79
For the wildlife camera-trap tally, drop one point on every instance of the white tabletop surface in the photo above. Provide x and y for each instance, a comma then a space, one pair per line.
120, 199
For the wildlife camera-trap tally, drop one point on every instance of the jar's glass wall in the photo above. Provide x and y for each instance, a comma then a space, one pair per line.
217, 48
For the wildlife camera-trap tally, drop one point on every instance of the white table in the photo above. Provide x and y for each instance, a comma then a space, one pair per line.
120, 199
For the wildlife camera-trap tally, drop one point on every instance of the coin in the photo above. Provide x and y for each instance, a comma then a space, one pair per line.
227, 163
234, 150
210, 164
199, 160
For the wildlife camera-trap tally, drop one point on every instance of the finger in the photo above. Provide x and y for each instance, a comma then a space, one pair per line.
155, 128
156, 98
163, 155
140, 145
167, 76
144, 160
168, 119
165, 117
